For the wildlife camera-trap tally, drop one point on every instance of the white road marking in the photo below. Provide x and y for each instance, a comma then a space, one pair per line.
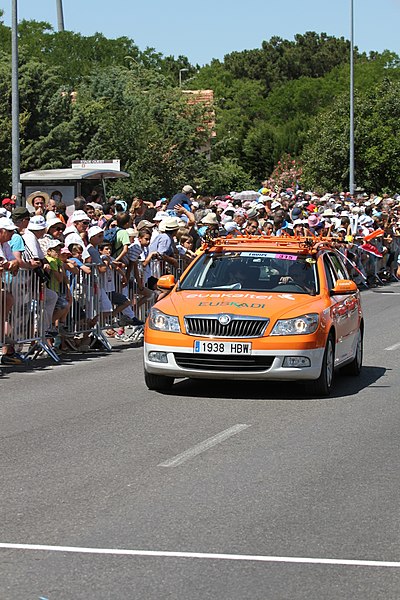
206, 555
203, 446
394, 347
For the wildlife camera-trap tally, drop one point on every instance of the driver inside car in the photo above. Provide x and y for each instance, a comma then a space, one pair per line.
300, 274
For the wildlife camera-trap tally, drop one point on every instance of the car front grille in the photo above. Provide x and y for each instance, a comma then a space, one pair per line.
238, 327
226, 363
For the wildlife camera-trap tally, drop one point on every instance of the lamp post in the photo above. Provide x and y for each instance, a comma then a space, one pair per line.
15, 148
60, 15
180, 75
351, 165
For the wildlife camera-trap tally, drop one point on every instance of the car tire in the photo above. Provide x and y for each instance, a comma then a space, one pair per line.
354, 367
322, 386
158, 383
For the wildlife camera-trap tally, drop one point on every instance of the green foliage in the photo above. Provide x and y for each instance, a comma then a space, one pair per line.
261, 150
152, 131
377, 145
287, 97
309, 55
226, 175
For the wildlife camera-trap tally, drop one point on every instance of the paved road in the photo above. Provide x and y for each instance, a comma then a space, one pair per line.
82, 447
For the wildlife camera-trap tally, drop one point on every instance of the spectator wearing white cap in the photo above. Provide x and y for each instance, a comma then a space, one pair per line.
76, 232
35, 230
164, 244
158, 217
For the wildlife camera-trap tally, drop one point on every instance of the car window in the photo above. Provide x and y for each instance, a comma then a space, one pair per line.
339, 267
254, 271
330, 273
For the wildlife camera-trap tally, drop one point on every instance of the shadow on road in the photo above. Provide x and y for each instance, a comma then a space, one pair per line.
45, 363
273, 390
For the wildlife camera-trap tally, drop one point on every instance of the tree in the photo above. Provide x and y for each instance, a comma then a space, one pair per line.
377, 142
261, 150
126, 104
311, 55
226, 175
148, 125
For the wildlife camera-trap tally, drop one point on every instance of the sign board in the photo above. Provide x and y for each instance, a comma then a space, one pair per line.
112, 165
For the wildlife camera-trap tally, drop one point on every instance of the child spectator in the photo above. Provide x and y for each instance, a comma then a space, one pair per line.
59, 283
185, 248
118, 299
140, 257
84, 315
69, 265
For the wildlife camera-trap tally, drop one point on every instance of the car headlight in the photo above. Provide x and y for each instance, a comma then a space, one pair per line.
297, 326
162, 322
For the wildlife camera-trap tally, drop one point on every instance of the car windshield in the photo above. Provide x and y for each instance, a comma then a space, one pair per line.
253, 271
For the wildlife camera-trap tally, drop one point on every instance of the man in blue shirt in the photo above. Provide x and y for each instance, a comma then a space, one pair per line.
164, 243
20, 218
182, 199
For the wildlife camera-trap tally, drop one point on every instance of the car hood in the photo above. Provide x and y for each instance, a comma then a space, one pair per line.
268, 305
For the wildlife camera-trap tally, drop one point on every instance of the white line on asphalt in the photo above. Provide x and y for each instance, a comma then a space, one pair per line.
394, 347
205, 555
203, 446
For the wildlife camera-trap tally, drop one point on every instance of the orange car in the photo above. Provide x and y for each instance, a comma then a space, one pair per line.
257, 308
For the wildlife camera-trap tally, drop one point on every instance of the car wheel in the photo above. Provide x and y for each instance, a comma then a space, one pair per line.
354, 368
159, 383
323, 385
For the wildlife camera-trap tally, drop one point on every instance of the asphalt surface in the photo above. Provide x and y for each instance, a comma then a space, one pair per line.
81, 446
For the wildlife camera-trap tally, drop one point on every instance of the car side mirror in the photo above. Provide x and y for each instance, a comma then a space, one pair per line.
344, 286
166, 282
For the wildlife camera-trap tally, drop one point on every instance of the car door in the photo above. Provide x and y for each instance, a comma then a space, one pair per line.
339, 313
352, 303
344, 311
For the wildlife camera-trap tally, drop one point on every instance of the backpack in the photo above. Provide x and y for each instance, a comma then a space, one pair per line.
110, 236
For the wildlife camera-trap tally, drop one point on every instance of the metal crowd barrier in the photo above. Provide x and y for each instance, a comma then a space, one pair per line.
83, 315
22, 300
24, 323
139, 301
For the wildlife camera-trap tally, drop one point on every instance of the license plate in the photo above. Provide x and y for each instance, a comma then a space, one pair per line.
203, 347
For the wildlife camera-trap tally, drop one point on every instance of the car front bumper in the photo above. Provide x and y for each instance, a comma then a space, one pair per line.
274, 371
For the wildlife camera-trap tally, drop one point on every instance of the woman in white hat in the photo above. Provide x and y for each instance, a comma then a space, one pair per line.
54, 231
209, 226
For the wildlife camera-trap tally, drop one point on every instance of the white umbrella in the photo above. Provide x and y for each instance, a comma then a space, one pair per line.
246, 195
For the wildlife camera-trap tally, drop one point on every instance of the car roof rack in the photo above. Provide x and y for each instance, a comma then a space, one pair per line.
301, 245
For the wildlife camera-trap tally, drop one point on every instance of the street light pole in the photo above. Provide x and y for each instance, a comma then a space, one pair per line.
351, 166
60, 15
180, 76
15, 148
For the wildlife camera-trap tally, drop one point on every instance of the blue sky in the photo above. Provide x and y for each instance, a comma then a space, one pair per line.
207, 29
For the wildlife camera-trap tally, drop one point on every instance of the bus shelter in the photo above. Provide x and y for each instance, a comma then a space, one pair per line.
69, 183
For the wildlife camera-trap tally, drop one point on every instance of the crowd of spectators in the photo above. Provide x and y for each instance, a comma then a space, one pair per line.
132, 243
